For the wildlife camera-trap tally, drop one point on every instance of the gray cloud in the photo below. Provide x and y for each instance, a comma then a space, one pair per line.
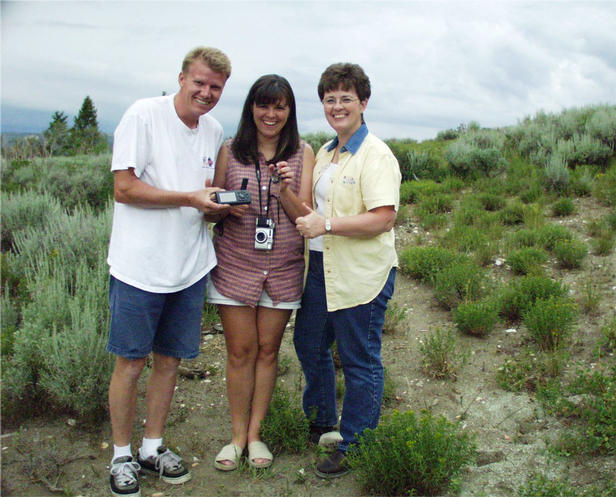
432, 65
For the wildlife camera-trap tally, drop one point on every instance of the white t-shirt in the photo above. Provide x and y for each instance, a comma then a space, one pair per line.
162, 250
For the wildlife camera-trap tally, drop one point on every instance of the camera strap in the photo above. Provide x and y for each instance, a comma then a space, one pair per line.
269, 188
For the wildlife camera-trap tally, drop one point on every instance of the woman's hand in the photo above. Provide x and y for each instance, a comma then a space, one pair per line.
311, 225
284, 173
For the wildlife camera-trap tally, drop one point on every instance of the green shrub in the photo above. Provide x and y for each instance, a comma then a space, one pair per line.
513, 213
525, 237
542, 486
582, 181
464, 238
476, 318
406, 454
317, 140
435, 204
486, 253
8, 323
448, 134
432, 221
607, 342
533, 192
285, 428
589, 296
412, 191
23, 210
452, 184
602, 125
556, 174
477, 153
523, 292
605, 187
64, 272
14, 281
526, 260
549, 321
491, 202
81, 180
441, 354
603, 245
468, 212
563, 207
68, 312
394, 317
463, 282
588, 403
570, 253
589, 150
551, 234
419, 165
423, 263
603, 233
610, 220
530, 370
73, 181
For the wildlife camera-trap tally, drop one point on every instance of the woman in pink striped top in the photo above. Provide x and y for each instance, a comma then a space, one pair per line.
258, 280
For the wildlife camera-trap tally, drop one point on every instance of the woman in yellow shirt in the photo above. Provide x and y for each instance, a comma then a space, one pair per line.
356, 189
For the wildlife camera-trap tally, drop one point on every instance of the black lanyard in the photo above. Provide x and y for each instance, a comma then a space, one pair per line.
269, 189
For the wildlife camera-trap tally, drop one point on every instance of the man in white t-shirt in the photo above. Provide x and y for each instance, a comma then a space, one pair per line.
160, 254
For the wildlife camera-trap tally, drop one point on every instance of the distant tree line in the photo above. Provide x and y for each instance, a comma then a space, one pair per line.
58, 139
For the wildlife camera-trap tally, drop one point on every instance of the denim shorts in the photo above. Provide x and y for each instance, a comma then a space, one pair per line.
215, 297
165, 323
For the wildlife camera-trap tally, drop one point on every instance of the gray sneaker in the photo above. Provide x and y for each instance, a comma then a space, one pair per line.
123, 477
167, 465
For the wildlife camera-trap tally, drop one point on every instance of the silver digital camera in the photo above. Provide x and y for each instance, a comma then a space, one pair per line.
264, 233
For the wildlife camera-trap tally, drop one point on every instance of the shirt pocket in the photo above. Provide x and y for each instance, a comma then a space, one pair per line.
347, 198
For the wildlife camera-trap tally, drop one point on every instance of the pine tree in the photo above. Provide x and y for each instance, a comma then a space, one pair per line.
57, 135
85, 135
86, 118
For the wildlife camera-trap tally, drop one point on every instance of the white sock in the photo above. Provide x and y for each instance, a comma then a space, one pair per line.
149, 446
121, 451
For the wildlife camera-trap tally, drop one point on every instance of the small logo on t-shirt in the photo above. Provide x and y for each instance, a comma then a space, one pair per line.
348, 180
208, 162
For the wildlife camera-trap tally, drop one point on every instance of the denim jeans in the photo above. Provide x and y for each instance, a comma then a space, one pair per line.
357, 332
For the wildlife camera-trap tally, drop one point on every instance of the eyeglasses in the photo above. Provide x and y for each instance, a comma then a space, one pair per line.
331, 101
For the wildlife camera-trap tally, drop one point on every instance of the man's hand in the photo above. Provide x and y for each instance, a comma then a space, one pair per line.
204, 201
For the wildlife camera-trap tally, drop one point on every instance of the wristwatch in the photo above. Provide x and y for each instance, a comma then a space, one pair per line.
328, 225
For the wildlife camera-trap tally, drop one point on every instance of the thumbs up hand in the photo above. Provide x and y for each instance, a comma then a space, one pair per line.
311, 224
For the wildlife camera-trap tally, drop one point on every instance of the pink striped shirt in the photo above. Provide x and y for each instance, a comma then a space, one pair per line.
243, 271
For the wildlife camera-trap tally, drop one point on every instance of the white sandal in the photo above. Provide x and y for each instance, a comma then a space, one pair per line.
231, 453
258, 450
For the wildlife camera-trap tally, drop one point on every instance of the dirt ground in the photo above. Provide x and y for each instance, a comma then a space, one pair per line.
512, 432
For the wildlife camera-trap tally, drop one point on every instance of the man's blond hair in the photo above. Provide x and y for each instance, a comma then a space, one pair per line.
215, 59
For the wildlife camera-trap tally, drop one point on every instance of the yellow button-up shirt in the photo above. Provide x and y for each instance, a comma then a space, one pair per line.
367, 176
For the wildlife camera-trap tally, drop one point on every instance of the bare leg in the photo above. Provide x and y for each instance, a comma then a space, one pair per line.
123, 398
239, 324
271, 324
159, 394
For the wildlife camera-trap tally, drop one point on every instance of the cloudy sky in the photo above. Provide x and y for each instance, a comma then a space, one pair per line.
432, 65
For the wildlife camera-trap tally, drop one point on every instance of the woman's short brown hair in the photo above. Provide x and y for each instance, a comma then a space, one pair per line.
345, 76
